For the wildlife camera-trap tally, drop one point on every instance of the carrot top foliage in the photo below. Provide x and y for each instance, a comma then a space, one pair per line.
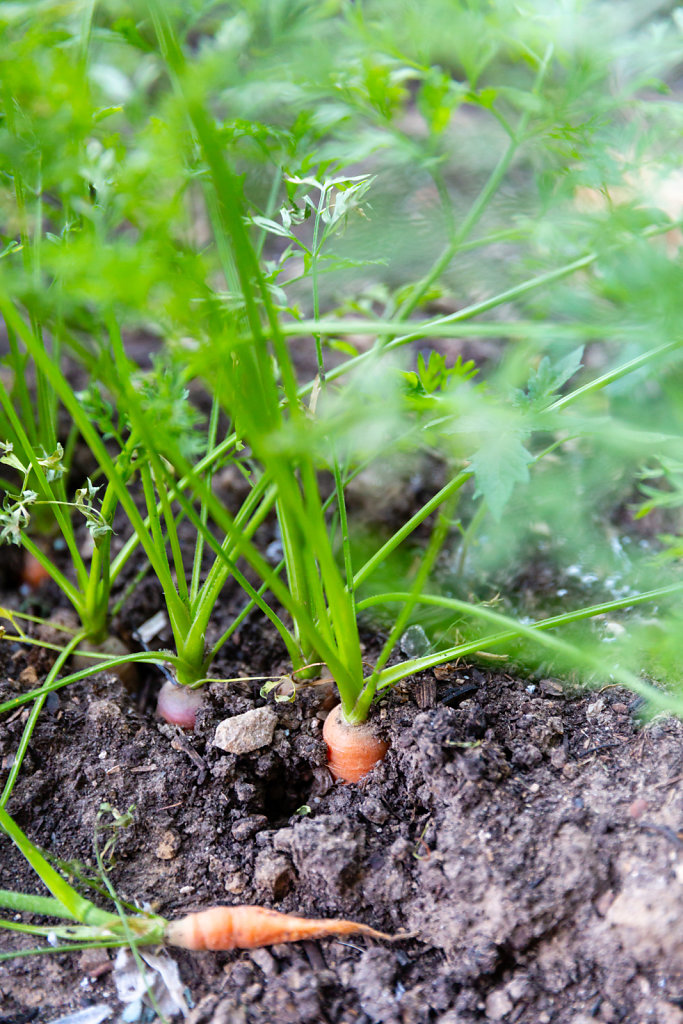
318, 248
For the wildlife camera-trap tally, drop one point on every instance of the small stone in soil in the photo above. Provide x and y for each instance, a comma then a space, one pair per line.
637, 808
243, 733
28, 677
248, 827
414, 642
551, 688
374, 811
498, 1004
168, 846
235, 883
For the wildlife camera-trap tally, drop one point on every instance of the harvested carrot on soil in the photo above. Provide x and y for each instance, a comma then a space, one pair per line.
352, 750
248, 927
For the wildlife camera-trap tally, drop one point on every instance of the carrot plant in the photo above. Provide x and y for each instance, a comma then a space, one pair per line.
236, 226
290, 442
150, 399
370, 233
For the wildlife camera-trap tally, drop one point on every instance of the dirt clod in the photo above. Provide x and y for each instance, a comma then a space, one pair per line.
273, 874
168, 846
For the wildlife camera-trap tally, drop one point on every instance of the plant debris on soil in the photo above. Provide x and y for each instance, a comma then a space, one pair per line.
530, 837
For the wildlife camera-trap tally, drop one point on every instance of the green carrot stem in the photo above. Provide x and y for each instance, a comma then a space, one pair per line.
33, 718
25, 903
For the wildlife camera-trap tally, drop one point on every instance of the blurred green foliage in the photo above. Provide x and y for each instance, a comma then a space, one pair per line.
498, 143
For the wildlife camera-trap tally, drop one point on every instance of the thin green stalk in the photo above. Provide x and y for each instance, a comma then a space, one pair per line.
63, 521
314, 281
415, 520
190, 644
250, 516
615, 374
86, 31
204, 464
23, 903
69, 947
33, 718
177, 611
269, 210
344, 530
328, 326
339, 490
294, 556
76, 906
64, 584
468, 312
248, 608
230, 206
225, 255
90, 435
173, 539
203, 514
239, 543
248, 551
436, 542
339, 601
99, 580
18, 363
103, 664
479, 205
512, 629
475, 523
127, 930
63, 932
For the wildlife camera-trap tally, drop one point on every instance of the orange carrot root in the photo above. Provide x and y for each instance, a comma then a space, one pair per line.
247, 927
33, 574
352, 750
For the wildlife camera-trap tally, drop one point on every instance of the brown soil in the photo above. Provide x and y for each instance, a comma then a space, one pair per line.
529, 838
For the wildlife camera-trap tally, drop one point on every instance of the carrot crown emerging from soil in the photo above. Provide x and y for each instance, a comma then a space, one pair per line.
352, 750
249, 927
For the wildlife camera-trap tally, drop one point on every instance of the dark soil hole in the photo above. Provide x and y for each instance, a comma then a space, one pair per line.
284, 793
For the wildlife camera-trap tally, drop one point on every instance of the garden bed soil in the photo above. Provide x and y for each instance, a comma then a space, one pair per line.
528, 837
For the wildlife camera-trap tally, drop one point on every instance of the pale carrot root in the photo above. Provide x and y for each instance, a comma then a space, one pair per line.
249, 927
179, 704
352, 750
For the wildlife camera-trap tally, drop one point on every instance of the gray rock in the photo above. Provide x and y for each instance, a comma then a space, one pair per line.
244, 733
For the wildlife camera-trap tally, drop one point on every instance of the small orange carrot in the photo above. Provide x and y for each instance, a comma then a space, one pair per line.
352, 750
246, 927
33, 573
